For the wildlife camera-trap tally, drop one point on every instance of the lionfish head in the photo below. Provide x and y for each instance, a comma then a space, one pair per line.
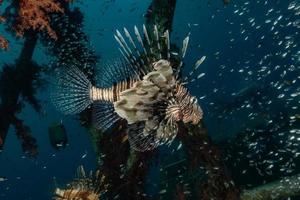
192, 112
184, 107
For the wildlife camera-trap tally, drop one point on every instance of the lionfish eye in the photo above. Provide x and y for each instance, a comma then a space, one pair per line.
193, 100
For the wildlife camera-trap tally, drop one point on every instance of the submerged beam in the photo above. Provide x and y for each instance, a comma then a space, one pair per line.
282, 189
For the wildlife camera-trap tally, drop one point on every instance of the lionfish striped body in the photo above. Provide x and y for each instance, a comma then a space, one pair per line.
144, 89
83, 187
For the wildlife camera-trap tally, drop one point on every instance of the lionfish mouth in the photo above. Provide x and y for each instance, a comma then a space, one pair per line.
193, 121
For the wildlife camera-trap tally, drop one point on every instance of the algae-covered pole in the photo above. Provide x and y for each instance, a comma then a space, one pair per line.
197, 143
72, 48
201, 151
161, 13
282, 189
12, 79
124, 170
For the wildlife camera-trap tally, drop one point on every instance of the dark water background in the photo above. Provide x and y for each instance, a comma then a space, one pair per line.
232, 64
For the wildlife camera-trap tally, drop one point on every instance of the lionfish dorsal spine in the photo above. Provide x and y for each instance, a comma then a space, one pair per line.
185, 44
147, 38
134, 56
167, 40
129, 55
82, 187
134, 46
139, 38
131, 62
119, 35
122, 46
81, 172
195, 68
157, 41
130, 39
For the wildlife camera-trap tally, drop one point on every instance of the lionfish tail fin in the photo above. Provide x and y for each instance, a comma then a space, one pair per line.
71, 91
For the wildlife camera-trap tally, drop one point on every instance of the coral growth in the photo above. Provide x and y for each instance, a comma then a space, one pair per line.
34, 14
23, 132
3, 43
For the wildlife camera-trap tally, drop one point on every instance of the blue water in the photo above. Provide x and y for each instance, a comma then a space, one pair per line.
240, 54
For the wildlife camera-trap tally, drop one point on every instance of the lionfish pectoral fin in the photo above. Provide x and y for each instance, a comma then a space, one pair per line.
138, 139
104, 115
167, 131
142, 138
71, 90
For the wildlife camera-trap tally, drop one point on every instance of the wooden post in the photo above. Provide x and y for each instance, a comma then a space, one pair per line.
14, 81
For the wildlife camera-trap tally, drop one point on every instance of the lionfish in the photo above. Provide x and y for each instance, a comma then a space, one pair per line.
144, 88
83, 187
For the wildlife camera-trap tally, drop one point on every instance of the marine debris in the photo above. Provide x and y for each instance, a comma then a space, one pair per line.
58, 136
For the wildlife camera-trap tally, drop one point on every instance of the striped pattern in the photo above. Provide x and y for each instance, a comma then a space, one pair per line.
72, 194
111, 94
189, 109
141, 49
88, 187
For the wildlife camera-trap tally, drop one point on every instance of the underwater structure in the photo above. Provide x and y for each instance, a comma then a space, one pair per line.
203, 169
20, 81
32, 20
13, 88
161, 17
